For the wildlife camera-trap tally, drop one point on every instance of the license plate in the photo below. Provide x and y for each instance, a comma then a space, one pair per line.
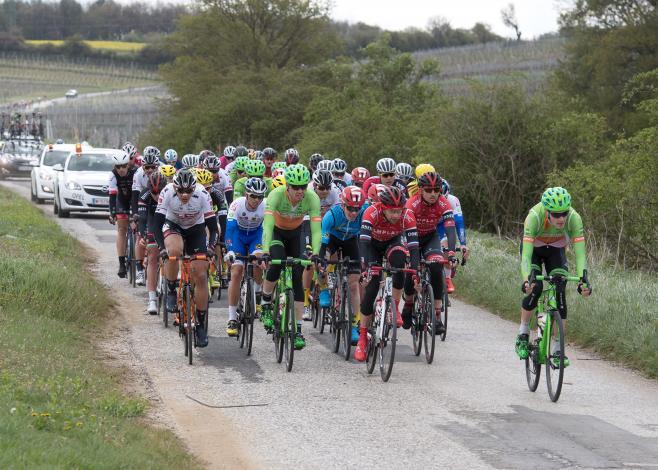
25, 168
77, 196
101, 201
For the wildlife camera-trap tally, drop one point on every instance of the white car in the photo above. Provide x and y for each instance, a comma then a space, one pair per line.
71, 93
43, 176
81, 183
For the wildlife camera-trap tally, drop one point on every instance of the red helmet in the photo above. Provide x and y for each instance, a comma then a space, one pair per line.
392, 198
430, 179
156, 182
373, 192
352, 196
360, 175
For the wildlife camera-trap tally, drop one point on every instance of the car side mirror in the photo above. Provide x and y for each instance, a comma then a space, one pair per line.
58, 167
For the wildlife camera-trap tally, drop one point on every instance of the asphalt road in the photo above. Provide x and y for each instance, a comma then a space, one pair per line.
470, 409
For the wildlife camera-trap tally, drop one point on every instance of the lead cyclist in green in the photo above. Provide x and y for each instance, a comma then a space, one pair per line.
285, 209
548, 229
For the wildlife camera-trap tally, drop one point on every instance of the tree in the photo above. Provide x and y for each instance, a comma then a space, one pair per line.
508, 15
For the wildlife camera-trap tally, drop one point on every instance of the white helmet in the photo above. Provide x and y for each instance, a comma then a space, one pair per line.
325, 165
338, 165
190, 160
120, 158
404, 170
386, 165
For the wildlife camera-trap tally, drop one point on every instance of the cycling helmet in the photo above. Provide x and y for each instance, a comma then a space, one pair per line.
278, 172
59, 141
204, 177
423, 168
167, 171
373, 192
281, 165
255, 186
240, 163
120, 158
315, 159
277, 181
291, 157
170, 156
412, 188
325, 165
445, 187
205, 154
241, 151
184, 179
156, 182
254, 168
404, 171
297, 175
391, 197
258, 155
322, 178
430, 180
352, 196
360, 175
338, 165
229, 152
269, 152
150, 153
251, 153
190, 160
150, 158
130, 149
386, 165
212, 163
556, 199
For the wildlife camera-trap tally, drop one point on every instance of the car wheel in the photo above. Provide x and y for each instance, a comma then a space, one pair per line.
33, 192
55, 205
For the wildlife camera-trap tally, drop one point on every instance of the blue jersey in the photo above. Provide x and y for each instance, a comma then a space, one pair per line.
335, 223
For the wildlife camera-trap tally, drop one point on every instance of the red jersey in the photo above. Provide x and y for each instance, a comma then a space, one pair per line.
375, 226
428, 217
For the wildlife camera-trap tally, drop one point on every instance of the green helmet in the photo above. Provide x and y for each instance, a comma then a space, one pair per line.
240, 163
276, 165
255, 168
556, 200
297, 175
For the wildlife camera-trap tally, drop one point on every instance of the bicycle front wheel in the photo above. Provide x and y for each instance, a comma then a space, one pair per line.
348, 319
277, 333
388, 339
250, 308
337, 320
429, 327
532, 364
371, 350
189, 325
417, 322
291, 328
554, 355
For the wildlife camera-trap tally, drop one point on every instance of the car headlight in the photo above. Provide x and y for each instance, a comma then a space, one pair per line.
73, 186
46, 176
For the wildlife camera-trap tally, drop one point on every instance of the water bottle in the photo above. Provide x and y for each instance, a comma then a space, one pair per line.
541, 323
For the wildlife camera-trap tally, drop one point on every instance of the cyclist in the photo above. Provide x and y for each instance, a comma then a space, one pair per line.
171, 158
227, 156
285, 209
269, 157
322, 184
547, 230
120, 189
342, 179
461, 231
236, 170
221, 189
404, 172
150, 163
359, 176
412, 186
382, 227
131, 150
291, 157
254, 169
314, 160
244, 237
190, 160
430, 209
148, 201
183, 213
340, 230
206, 179
325, 165
386, 175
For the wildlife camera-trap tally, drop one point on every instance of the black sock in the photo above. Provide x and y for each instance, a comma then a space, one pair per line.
200, 317
122, 261
172, 285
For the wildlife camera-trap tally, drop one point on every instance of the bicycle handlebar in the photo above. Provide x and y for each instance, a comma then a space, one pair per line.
292, 262
248, 258
376, 269
198, 257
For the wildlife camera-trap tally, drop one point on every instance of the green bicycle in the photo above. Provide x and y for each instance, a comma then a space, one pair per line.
285, 324
545, 324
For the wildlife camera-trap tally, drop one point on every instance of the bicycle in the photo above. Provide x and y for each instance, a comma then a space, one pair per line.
247, 304
161, 292
423, 319
382, 333
546, 318
341, 313
285, 325
131, 262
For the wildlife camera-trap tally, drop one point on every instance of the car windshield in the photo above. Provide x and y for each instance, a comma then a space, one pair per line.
53, 157
23, 147
90, 162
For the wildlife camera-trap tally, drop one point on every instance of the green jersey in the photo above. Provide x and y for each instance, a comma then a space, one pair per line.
238, 187
538, 232
281, 213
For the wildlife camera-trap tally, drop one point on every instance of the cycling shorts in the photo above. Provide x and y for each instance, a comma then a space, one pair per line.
194, 238
246, 243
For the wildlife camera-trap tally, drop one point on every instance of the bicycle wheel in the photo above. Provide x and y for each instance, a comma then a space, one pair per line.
324, 314
532, 365
290, 330
242, 312
249, 316
417, 322
337, 320
130, 259
315, 305
444, 311
371, 350
348, 318
388, 340
277, 335
218, 275
429, 326
189, 320
555, 366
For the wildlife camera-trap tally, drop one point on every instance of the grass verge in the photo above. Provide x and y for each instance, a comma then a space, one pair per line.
60, 407
619, 321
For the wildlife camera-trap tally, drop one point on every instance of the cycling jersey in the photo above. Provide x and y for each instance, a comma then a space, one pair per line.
244, 228
185, 215
429, 216
377, 180
120, 190
376, 227
332, 198
459, 220
280, 213
140, 183
335, 223
539, 232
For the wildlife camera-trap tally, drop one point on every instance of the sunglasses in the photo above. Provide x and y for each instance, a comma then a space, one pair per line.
387, 175
256, 196
185, 190
298, 187
322, 188
214, 172
432, 190
559, 215
352, 209
338, 173
149, 167
125, 165
268, 158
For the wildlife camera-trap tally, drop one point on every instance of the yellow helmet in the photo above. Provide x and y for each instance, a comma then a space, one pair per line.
278, 181
167, 171
204, 177
412, 188
424, 168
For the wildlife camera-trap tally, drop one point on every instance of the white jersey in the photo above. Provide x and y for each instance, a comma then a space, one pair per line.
185, 215
140, 180
229, 167
246, 218
333, 198
223, 182
455, 204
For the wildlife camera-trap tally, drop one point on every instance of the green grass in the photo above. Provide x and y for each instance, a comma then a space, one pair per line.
60, 405
619, 321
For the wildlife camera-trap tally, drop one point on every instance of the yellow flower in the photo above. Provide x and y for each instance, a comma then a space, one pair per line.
35, 414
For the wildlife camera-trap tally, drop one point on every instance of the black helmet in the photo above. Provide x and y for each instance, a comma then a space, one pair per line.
241, 151
315, 159
292, 157
184, 179
205, 154
322, 178
269, 152
212, 163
